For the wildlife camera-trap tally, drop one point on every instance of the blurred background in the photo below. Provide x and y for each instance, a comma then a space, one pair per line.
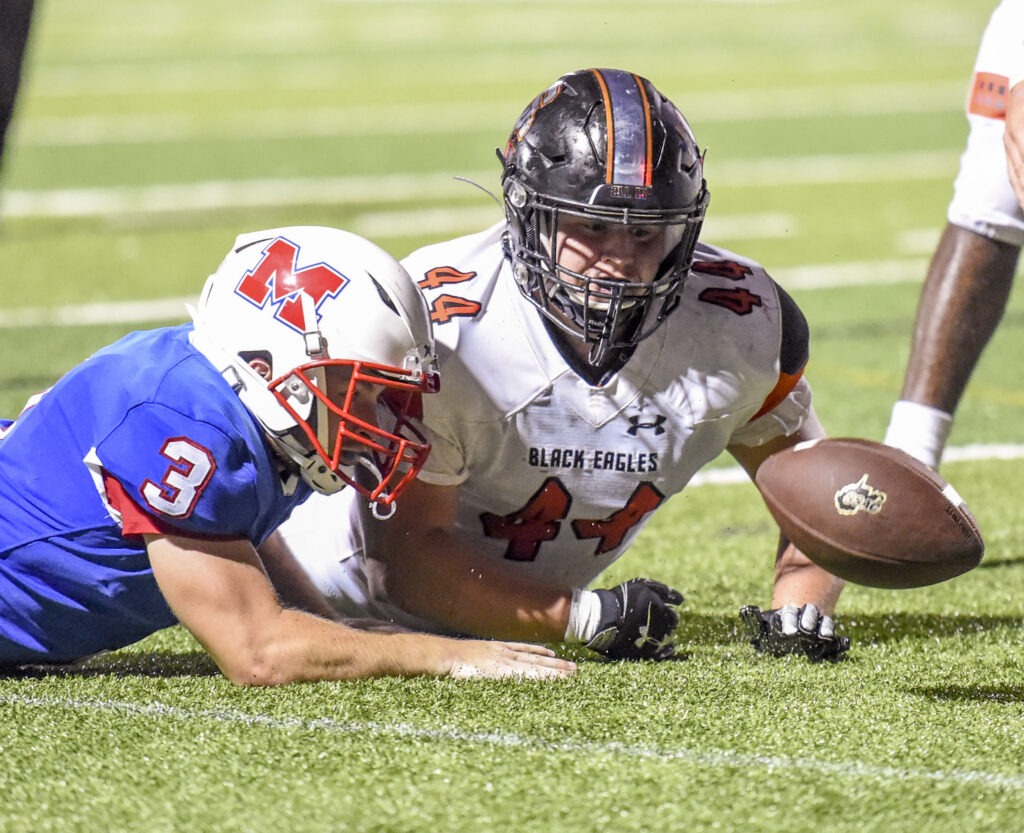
148, 134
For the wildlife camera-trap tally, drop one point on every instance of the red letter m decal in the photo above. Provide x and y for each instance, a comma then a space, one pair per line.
278, 278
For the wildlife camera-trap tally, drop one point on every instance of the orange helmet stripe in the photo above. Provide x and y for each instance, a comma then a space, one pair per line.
628, 122
609, 126
647, 132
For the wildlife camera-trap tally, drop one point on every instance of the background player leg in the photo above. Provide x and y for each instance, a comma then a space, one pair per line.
15, 21
962, 302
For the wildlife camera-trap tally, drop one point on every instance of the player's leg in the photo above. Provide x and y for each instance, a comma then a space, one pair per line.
962, 302
969, 278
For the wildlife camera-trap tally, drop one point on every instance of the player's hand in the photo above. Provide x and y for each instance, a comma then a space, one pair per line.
1013, 139
637, 620
479, 659
794, 630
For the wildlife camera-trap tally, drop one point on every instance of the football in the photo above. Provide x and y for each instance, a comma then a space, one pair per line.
870, 514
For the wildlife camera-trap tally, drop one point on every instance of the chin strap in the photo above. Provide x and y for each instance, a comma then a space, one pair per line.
260, 402
315, 472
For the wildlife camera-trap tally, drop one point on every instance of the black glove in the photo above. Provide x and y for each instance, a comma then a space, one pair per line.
637, 620
794, 630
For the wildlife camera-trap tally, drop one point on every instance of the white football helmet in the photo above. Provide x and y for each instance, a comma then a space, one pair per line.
295, 303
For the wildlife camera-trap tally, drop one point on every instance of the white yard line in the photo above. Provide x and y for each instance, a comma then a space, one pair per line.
857, 273
709, 759
115, 312
122, 201
401, 119
809, 277
119, 201
731, 475
405, 222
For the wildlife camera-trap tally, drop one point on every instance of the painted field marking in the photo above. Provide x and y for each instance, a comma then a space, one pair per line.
146, 200
712, 759
120, 201
731, 475
403, 223
414, 118
114, 312
821, 276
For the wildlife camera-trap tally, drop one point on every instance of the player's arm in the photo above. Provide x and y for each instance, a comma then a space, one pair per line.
290, 581
1013, 139
221, 593
804, 595
798, 581
295, 588
425, 566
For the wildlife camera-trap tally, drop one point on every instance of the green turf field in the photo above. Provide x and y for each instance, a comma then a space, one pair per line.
150, 133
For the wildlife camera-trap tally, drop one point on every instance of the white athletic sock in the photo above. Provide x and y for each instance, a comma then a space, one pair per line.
920, 430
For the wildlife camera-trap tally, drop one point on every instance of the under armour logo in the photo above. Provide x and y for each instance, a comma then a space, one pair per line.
635, 425
645, 637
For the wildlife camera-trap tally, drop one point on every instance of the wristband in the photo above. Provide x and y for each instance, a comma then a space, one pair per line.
584, 616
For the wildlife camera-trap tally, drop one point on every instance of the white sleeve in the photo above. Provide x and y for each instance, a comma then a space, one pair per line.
781, 421
446, 463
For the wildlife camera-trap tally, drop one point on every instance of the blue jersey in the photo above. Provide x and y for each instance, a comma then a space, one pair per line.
144, 429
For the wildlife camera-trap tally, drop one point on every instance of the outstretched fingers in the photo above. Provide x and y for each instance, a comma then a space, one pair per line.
503, 660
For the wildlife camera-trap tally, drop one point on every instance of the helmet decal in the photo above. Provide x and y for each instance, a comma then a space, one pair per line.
328, 365
525, 120
628, 121
277, 278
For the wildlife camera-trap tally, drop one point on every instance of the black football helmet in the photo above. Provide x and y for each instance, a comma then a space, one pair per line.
606, 145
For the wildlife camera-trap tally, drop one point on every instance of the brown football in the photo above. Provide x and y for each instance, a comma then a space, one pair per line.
869, 513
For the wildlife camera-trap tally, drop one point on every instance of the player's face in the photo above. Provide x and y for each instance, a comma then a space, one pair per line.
362, 404
611, 251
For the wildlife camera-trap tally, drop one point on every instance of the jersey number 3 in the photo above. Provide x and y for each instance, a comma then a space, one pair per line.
191, 468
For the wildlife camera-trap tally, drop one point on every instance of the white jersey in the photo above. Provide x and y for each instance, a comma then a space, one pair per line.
983, 200
556, 475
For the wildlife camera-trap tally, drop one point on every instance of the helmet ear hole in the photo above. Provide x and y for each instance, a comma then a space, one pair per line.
259, 360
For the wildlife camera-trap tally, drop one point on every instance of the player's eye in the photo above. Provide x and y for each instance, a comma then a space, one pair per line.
643, 234
593, 228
